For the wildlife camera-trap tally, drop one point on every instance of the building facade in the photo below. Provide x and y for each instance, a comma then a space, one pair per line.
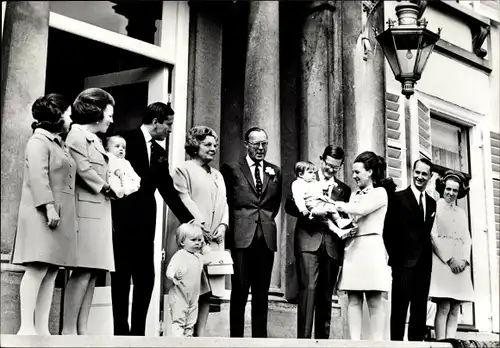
310, 73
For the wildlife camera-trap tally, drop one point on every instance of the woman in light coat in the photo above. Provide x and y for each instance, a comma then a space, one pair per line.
46, 230
203, 191
92, 113
451, 279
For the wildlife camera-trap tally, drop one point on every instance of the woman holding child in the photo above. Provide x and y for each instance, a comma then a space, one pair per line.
202, 190
92, 113
364, 270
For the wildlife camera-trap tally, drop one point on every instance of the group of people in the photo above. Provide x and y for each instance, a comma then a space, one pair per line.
89, 205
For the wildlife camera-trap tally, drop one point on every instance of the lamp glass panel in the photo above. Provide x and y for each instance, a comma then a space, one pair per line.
426, 46
406, 44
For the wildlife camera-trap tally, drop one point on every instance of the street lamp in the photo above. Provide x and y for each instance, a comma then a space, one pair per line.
408, 45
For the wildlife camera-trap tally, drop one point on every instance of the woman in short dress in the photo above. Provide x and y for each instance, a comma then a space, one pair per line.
202, 189
451, 281
46, 229
92, 113
364, 270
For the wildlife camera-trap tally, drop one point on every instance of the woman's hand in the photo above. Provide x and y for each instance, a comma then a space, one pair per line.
318, 212
53, 218
218, 235
454, 265
340, 206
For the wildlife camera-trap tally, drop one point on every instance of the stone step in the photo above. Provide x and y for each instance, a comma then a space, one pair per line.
130, 341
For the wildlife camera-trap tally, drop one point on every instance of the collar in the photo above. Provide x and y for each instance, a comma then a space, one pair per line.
365, 190
322, 178
89, 135
416, 192
452, 205
146, 134
251, 162
51, 136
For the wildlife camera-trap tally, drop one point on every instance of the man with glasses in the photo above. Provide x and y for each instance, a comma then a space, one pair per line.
318, 251
254, 197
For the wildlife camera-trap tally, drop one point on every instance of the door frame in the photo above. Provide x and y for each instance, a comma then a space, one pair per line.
158, 80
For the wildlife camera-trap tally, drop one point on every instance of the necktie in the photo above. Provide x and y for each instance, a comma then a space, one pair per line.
421, 205
154, 153
258, 180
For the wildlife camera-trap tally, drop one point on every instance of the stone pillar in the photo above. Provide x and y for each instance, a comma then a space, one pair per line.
24, 60
205, 64
316, 80
262, 93
364, 80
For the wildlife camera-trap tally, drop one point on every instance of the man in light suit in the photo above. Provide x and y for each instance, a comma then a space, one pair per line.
318, 252
134, 219
254, 197
407, 237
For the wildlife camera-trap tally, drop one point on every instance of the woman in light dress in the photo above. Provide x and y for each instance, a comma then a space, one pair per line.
451, 281
203, 191
92, 113
46, 229
364, 270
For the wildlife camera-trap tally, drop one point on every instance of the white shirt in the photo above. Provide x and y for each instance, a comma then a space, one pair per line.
251, 164
324, 181
417, 193
148, 139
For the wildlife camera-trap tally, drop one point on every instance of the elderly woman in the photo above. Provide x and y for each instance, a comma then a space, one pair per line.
451, 282
364, 270
203, 191
46, 229
92, 113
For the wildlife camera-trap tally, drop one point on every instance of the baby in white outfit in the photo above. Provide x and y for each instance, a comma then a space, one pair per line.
308, 194
122, 177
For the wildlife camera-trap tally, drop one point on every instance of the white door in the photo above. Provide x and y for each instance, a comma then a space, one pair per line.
133, 90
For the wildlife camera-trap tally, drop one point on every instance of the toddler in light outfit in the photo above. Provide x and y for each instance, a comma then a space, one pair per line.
185, 270
122, 177
308, 194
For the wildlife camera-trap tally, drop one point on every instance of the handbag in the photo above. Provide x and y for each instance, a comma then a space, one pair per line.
219, 262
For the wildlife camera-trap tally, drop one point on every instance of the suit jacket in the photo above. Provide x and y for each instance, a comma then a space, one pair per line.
407, 236
246, 208
309, 233
139, 209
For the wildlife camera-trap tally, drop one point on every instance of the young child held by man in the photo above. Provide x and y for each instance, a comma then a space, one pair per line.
185, 270
122, 177
308, 194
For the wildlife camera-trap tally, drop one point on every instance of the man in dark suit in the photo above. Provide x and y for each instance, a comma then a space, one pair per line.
407, 237
318, 252
134, 220
254, 197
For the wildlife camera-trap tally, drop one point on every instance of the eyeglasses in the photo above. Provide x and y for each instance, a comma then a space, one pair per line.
331, 166
258, 144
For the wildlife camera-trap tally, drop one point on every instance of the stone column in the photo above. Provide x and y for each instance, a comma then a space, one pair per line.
364, 80
205, 64
262, 94
24, 60
316, 80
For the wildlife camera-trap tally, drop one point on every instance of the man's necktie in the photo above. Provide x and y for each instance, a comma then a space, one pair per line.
154, 153
258, 180
421, 205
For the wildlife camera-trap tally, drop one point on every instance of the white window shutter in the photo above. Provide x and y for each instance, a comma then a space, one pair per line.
495, 171
395, 136
424, 130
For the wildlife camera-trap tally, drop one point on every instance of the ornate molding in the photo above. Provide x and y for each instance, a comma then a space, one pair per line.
478, 24
479, 34
322, 5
